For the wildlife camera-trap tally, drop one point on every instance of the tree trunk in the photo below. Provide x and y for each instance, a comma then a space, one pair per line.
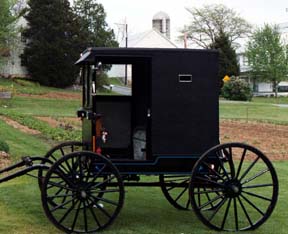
275, 88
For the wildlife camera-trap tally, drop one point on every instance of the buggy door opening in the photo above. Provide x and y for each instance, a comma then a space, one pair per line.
124, 117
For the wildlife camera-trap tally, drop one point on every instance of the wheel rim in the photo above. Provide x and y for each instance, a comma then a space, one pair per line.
82, 193
233, 187
58, 152
175, 189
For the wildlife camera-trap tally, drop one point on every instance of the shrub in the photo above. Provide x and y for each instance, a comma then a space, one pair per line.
4, 146
237, 89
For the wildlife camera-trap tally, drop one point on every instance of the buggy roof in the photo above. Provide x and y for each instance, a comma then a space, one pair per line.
124, 55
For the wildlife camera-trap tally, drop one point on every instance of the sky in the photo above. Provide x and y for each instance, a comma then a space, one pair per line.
139, 13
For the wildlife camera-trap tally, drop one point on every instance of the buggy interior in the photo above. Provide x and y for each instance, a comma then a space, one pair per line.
124, 118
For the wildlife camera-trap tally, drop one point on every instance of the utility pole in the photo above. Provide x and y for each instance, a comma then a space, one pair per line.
126, 44
124, 30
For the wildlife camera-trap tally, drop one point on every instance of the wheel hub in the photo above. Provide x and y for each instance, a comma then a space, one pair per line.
233, 188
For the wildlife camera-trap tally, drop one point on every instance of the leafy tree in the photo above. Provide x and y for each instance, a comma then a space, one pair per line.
94, 29
7, 28
209, 21
228, 64
268, 56
53, 42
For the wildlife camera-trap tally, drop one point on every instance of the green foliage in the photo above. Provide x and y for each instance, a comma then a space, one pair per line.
53, 43
210, 20
7, 28
4, 146
237, 89
268, 56
92, 22
228, 64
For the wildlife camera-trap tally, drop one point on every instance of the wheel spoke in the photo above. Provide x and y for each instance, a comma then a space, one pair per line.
245, 212
257, 186
226, 214
220, 163
181, 194
59, 186
96, 176
76, 216
94, 216
102, 183
249, 168
210, 202
218, 207
96, 198
251, 204
209, 181
101, 209
214, 171
62, 205
241, 163
105, 191
175, 185
235, 214
85, 217
258, 196
255, 176
209, 191
67, 212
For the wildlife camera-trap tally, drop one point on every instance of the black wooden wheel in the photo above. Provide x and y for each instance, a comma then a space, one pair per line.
175, 189
82, 193
59, 151
233, 187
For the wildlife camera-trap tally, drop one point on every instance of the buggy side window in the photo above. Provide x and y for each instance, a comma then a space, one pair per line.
116, 78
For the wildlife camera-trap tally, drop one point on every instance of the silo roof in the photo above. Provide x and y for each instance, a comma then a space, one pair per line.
161, 15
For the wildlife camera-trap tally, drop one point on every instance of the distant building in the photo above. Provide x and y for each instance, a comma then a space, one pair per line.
263, 88
13, 66
157, 37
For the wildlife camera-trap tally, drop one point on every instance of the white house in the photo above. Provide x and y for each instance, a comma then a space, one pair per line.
12, 66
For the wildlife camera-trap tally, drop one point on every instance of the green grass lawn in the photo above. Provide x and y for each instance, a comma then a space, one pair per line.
146, 211
254, 111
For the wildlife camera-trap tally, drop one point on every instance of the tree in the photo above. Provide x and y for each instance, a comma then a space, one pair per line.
7, 28
53, 42
210, 20
268, 56
228, 64
94, 29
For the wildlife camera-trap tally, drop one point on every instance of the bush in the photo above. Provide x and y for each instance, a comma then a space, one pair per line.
237, 89
4, 146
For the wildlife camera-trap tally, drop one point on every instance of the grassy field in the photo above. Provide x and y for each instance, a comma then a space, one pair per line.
146, 210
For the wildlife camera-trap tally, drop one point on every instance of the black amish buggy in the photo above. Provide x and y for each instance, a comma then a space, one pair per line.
168, 128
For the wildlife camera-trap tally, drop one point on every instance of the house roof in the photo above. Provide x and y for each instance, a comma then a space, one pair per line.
151, 38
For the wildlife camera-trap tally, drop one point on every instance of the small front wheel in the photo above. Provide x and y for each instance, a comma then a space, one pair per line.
233, 187
82, 193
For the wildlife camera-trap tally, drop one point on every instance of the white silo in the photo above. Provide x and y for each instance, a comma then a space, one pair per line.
161, 22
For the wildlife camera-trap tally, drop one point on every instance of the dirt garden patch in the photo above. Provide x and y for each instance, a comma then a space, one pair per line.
271, 139
54, 95
20, 127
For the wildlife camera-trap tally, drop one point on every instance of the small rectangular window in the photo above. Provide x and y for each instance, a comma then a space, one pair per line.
185, 78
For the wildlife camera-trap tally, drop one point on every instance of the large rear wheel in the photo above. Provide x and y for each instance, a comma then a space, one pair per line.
233, 187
